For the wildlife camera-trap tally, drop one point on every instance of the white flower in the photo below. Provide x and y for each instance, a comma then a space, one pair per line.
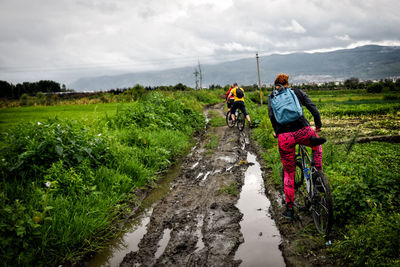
99, 134
38, 123
48, 184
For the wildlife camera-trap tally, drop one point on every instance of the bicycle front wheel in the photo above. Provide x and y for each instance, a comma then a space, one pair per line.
322, 204
240, 121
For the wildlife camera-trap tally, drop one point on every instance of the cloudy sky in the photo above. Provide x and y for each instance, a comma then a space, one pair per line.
63, 40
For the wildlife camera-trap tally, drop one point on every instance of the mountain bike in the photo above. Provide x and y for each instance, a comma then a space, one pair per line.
240, 119
314, 192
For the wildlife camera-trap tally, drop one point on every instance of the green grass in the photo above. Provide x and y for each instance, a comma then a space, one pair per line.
230, 189
216, 120
10, 117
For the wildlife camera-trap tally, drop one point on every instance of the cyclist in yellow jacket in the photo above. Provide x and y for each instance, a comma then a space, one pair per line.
238, 94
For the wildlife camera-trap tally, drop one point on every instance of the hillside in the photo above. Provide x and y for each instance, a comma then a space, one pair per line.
366, 62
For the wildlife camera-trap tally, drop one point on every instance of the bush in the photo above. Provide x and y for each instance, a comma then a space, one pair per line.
375, 242
375, 88
34, 147
357, 178
158, 112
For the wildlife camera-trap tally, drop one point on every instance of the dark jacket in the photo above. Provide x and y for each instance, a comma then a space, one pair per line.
301, 122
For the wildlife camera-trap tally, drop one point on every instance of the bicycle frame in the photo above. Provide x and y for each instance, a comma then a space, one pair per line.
308, 168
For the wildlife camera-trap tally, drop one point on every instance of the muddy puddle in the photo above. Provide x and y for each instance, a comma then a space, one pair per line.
261, 236
114, 253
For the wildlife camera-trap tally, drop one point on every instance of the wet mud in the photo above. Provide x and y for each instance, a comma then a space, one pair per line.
197, 223
215, 213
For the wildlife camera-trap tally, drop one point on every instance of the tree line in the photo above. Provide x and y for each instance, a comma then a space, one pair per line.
9, 90
355, 83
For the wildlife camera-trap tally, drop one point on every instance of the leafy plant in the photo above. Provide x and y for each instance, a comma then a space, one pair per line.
372, 243
230, 189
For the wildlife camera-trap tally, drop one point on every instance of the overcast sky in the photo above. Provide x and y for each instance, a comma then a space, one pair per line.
63, 40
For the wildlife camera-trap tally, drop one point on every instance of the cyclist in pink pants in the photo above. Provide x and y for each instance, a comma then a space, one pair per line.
296, 132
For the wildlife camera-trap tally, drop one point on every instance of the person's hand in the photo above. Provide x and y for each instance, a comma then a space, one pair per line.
317, 129
274, 134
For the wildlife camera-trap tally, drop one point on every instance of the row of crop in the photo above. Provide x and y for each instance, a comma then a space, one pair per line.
65, 184
366, 191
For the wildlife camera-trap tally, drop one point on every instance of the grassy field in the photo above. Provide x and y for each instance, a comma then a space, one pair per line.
88, 113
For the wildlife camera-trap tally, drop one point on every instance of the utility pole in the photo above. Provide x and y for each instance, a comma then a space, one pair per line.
259, 81
201, 77
196, 73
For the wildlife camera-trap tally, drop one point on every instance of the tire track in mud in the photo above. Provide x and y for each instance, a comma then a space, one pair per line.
196, 224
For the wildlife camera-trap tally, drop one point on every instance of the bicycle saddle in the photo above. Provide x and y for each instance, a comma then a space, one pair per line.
316, 141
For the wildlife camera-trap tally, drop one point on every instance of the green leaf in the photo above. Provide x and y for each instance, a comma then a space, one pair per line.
20, 231
48, 208
59, 150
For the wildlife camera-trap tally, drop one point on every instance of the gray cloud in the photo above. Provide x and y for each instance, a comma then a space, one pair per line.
64, 40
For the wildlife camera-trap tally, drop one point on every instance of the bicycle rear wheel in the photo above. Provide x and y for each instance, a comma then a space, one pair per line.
322, 204
240, 121
228, 119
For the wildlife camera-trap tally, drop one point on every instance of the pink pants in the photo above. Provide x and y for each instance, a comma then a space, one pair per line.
287, 149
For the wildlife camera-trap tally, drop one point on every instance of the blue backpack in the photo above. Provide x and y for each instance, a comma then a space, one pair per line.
285, 105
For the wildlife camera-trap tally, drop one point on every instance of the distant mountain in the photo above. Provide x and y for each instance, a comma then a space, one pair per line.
366, 62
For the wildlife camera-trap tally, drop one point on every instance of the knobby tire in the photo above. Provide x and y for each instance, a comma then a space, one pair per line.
240, 121
228, 119
322, 204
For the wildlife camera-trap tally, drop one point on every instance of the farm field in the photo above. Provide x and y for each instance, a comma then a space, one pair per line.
88, 113
93, 158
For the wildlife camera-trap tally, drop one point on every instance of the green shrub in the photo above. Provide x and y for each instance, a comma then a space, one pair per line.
391, 97
34, 147
136, 93
157, 112
375, 242
374, 88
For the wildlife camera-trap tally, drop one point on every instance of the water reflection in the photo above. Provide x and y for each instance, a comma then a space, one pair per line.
261, 237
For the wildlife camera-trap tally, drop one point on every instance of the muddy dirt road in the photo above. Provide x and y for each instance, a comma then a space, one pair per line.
216, 212
198, 223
